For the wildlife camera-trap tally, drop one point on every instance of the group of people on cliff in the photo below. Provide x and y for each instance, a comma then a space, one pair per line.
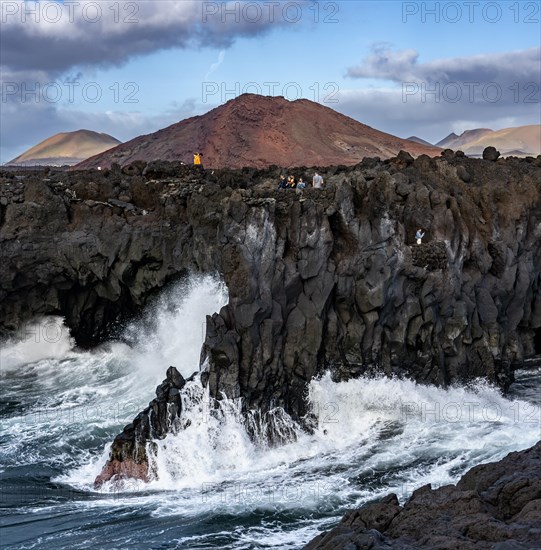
284, 183
290, 183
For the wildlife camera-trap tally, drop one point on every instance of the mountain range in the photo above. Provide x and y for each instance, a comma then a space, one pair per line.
516, 141
259, 131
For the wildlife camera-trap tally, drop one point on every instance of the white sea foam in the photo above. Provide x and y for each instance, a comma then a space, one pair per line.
417, 434
373, 435
174, 330
45, 338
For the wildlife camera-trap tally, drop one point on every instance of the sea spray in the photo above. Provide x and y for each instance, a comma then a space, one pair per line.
45, 338
415, 433
272, 428
173, 330
216, 485
62, 404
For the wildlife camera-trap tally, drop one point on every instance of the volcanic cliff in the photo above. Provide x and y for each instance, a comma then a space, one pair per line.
260, 131
328, 279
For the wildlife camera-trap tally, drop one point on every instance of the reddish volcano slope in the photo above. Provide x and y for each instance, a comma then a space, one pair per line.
258, 131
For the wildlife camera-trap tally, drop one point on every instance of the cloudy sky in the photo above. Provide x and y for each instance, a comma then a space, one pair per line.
132, 67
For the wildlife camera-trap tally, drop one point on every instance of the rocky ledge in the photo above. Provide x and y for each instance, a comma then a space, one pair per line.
321, 280
128, 457
496, 506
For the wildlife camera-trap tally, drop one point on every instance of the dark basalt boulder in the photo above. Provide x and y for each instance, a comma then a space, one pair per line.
136, 168
493, 506
490, 153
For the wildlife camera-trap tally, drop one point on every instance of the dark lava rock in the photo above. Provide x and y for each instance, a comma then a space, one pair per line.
430, 256
136, 168
490, 153
122, 204
463, 174
493, 506
448, 153
405, 157
128, 456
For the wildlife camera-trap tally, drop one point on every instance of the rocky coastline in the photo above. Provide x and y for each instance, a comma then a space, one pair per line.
324, 280
493, 506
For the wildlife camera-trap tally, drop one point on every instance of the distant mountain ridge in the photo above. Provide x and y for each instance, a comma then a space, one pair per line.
259, 131
516, 141
452, 141
66, 148
420, 140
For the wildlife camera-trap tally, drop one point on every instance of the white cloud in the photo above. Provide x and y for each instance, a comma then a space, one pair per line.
434, 98
402, 66
42, 42
59, 36
214, 67
388, 110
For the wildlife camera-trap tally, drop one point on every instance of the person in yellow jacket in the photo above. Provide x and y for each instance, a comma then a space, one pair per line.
197, 159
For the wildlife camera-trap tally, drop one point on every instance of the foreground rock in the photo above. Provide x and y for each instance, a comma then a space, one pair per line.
495, 506
128, 457
330, 279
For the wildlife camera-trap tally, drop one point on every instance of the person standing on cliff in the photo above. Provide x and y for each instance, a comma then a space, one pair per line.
419, 236
317, 181
197, 159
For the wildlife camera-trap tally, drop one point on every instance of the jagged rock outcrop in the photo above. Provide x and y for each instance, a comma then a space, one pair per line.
128, 457
326, 279
493, 506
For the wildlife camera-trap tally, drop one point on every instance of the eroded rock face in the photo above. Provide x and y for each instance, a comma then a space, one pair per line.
326, 279
494, 505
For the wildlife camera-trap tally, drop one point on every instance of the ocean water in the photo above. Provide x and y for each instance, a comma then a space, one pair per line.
215, 487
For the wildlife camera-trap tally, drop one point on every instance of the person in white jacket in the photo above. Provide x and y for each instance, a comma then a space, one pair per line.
317, 181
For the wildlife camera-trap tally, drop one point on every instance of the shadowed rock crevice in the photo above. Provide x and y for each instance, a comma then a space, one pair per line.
430, 256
